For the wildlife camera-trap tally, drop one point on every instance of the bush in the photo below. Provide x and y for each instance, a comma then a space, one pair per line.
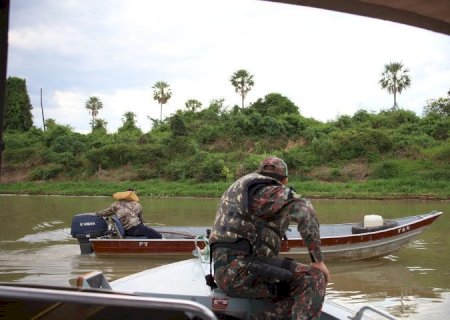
19, 139
439, 153
273, 127
68, 143
300, 159
351, 144
273, 104
402, 141
67, 159
54, 132
178, 170
318, 131
46, 173
20, 156
113, 156
179, 146
210, 167
438, 174
438, 128
386, 170
324, 149
239, 126
249, 163
207, 134
393, 119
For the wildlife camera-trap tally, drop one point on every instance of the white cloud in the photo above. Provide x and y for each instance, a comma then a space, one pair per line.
327, 63
70, 106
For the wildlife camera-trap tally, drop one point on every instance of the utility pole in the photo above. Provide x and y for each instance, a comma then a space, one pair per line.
42, 109
4, 25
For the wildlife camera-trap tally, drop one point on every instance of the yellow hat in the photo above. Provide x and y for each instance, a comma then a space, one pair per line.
126, 195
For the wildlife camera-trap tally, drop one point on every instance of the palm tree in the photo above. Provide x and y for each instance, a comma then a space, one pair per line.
162, 94
193, 105
243, 82
395, 79
93, 105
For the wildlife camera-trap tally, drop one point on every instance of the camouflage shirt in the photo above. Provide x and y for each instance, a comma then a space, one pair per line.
128, 212
263, 215
271, 200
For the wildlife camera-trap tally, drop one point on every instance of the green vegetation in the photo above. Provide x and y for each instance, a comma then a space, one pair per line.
18, 113
198, 152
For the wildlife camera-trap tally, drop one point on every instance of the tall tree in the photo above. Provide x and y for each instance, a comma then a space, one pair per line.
395, 79
93, 105
162, 94
242, 82
99, 126
440, 106
17, 105
193, 105
177, 126
129, 123
274, 104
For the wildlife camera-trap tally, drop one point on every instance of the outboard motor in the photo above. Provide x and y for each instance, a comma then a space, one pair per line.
86, 226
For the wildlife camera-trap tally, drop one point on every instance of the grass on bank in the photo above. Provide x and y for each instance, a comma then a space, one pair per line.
408, 187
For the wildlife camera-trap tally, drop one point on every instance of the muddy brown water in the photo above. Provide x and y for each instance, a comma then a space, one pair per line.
414, 283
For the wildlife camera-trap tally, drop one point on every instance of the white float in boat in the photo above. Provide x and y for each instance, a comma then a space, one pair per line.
373, 220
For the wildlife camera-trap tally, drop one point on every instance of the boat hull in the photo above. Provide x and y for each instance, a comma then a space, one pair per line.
337, 242
186, 280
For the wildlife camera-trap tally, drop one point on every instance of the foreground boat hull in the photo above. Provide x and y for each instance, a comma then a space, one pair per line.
186, 280
337, 242
174, 291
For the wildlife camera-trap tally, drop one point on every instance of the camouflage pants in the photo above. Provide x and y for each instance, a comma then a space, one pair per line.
303, 300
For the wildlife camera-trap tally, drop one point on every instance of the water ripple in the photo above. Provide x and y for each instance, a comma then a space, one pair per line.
420, 270
419, 244
47, 224
48, 236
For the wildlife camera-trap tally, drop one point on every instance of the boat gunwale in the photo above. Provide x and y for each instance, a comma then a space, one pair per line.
427, 217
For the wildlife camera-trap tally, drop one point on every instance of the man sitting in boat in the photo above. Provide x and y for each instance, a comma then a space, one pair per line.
251, 220
129, 211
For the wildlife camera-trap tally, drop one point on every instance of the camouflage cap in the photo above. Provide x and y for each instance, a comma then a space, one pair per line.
274, 166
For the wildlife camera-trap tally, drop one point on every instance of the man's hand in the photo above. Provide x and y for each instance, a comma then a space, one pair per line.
322, 267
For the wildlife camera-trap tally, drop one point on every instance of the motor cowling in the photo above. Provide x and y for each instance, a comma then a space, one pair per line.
87, 226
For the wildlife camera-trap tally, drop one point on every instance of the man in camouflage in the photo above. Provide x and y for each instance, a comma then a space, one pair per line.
129, 211
252, 218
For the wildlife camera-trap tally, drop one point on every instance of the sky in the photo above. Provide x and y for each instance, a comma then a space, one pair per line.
327, 63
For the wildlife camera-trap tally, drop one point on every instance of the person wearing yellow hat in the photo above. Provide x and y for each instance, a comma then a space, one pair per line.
129, 211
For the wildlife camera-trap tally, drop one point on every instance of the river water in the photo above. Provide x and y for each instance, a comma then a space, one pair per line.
414, 283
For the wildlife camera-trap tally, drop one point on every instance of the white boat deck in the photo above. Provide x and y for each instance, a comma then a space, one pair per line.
186, 280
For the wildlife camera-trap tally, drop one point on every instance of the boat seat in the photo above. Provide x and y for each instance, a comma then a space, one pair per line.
121, 231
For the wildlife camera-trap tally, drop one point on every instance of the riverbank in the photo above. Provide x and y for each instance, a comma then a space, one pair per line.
408, 188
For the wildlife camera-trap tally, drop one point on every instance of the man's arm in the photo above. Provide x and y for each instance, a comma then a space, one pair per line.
108, 211
322, 267
308, 226
302, 212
